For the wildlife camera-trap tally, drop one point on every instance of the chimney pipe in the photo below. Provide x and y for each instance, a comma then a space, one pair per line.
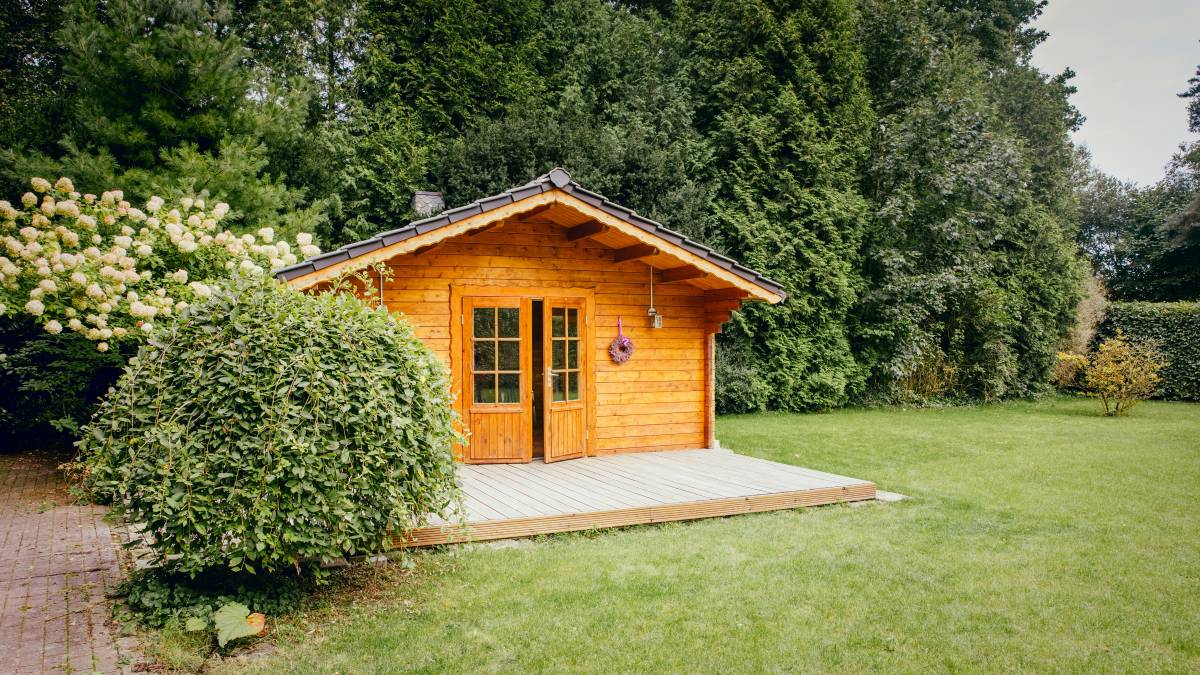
426, 203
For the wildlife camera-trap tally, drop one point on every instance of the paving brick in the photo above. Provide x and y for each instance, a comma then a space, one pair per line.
56, 560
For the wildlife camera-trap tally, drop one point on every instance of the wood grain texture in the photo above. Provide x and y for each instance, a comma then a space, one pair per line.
505, 501
567, 431
667, 374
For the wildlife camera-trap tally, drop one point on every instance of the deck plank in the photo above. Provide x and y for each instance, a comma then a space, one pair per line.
514, 492
518, 500
484, 490
585, 500
679, 476
749, 477
524, 483
591, 477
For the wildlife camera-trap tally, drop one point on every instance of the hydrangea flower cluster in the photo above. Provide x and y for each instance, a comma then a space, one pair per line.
107, 270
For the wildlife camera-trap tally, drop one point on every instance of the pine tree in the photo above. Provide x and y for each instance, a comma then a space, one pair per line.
161, 102
782, 98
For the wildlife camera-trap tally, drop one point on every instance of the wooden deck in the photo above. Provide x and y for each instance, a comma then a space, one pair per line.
518, 500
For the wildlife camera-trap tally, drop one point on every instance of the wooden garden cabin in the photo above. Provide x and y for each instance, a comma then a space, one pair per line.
521, 295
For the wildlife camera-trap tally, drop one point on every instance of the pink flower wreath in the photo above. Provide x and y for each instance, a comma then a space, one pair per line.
621, 348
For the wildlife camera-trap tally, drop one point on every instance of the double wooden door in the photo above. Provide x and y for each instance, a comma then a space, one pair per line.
499, 379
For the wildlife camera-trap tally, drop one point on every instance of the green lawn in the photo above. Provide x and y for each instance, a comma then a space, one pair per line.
1038, 537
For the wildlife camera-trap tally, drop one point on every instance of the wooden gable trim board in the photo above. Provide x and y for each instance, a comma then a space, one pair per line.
421, 240
531, 213
600, 220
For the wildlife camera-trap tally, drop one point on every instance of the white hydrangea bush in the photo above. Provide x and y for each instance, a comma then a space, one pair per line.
108, 270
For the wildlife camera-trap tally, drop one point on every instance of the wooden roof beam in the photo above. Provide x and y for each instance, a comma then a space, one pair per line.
680, 274
634, 252
588, 229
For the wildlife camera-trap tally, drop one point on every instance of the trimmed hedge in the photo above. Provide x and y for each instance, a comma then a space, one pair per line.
1174, 328
265, 428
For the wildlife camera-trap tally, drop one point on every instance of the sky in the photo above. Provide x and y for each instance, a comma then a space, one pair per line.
1131, 58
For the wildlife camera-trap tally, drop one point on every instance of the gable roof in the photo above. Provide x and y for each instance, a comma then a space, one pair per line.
556, 179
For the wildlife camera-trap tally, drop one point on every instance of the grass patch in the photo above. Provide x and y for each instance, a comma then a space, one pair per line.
1039, 536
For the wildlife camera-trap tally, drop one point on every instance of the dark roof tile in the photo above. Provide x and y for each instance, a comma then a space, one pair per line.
589, 197
495, 202
462, 212
364, 247
332, 258
431, 225
616, 210
526, 191
294, 271
397, 236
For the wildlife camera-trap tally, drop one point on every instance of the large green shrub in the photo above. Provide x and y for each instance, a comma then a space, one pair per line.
265, 428
1174, 329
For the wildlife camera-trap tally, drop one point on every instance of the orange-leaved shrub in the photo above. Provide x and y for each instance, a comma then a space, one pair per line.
1123, 372
1068, 367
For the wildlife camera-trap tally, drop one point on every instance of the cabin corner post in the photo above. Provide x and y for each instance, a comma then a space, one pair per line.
710, 390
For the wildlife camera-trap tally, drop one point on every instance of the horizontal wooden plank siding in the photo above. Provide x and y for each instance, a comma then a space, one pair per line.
656, 401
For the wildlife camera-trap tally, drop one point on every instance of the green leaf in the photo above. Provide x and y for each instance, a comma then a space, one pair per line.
231, 623
194, 624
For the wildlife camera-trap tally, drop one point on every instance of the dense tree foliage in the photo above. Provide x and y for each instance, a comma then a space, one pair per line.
969, 273
899, 166
154, 97
1145, 241
787, 151
31, 97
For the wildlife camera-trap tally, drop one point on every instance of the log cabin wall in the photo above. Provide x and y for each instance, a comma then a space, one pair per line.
659, 400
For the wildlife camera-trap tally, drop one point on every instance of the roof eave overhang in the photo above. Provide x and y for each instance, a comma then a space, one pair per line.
540, 193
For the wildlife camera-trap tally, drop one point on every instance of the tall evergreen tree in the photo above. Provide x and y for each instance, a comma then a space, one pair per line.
451, 61
781, 98
161, 102
33, 99
621, 120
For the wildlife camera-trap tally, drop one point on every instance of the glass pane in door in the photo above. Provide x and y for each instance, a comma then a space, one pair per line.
496, 354
485, 387
564, 354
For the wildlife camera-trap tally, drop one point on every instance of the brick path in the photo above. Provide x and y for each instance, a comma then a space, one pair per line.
57, 561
